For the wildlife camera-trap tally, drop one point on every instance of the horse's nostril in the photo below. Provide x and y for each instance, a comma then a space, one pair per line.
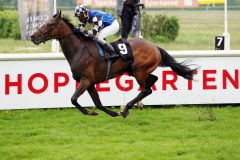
32, 37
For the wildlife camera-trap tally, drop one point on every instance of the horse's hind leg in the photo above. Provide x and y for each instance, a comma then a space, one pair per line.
95, 97
145, 84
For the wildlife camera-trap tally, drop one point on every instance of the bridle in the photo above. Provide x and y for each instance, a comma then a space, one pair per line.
52, 26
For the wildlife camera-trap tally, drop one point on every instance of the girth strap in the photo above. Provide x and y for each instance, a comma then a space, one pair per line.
109, 64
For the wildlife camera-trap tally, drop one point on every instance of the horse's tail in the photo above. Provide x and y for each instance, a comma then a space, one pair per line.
179, 68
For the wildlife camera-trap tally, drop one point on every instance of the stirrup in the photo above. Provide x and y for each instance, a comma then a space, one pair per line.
107, 56
113, 55
110, 56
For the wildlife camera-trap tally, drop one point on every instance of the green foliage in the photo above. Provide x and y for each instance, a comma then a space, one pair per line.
8, 2
60, 3
234, 2
1, 7
162, 28
68, 3
171, 28
9, 25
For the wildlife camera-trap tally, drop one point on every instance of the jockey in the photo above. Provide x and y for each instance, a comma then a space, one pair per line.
104, 25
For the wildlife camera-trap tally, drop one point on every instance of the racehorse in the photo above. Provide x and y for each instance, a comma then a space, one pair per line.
88, 67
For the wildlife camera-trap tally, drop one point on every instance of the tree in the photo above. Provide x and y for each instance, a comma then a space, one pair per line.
8, 2
234, 2
68, 3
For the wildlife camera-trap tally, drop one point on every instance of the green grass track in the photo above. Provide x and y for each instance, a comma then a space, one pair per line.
179, 133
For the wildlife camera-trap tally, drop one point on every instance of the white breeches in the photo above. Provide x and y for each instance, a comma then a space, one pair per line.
109, 30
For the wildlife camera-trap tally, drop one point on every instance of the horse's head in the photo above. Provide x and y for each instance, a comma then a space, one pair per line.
50, 30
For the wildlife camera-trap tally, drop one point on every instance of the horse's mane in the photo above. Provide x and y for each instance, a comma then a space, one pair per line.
80, 35
68, 22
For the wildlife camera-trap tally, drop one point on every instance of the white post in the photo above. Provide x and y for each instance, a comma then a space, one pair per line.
226, 34
55, 45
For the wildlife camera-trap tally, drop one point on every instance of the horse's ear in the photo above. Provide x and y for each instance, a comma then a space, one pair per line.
58, 14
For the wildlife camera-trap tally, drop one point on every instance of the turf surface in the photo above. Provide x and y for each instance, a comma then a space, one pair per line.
194, 133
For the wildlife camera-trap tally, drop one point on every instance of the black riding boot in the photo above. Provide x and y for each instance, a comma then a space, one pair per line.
110, 51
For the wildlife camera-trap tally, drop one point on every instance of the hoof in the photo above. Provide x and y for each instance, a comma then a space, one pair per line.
116, 114
124, 111
139, 105
125, 114
122, 107
119, 113
92, 113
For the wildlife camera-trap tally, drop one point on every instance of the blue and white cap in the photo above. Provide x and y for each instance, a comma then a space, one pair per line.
80, 10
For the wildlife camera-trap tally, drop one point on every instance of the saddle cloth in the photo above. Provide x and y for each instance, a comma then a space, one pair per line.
121, 47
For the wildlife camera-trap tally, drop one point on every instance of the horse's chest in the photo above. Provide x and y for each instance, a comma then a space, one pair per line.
80, 68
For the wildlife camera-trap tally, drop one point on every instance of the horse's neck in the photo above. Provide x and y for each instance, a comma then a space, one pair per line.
71, 45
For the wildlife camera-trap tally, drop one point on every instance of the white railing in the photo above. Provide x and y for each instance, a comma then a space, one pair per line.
176, 54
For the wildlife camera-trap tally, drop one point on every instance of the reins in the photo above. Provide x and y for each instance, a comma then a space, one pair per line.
63, 37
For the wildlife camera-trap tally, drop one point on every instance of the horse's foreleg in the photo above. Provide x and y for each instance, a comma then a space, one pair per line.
82, 87
95, 97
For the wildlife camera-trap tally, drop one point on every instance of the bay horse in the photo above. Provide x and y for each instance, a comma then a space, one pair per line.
89, 68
